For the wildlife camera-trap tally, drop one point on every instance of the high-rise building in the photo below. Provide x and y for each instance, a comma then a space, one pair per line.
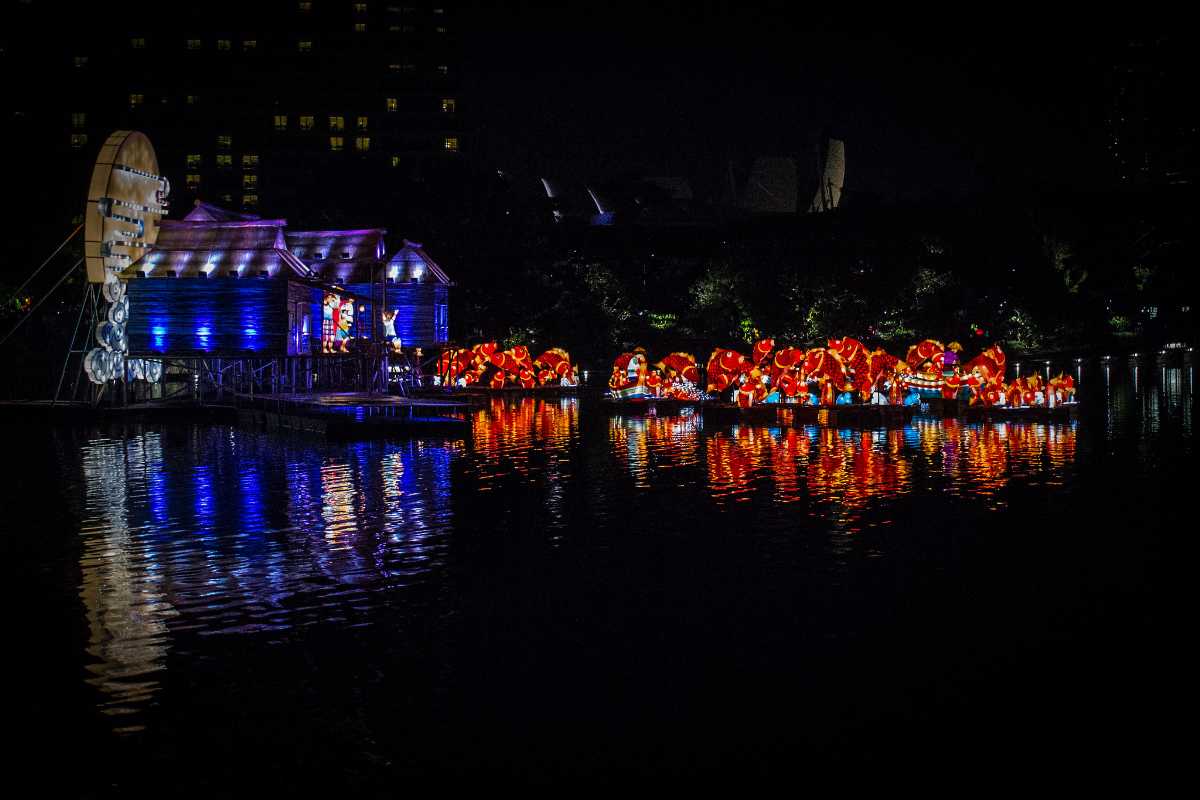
320, 110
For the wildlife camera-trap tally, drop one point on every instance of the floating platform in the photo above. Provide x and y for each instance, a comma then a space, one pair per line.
355, 415
649, 407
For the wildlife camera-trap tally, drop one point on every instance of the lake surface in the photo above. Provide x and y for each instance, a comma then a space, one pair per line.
202, 609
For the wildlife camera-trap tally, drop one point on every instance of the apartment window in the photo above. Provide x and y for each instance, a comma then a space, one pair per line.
250, 44
138, 43
249, 181
443, 69
224, 45
440, 29
78, 119
224, 161
450, 143
193, 161
409, 67
81, 61
362, 123
439, 11
193, 44
249, 160
391, 104
193, 181
306, 7
281, 122
448, 105
78, 140
226, 198
360, 27
224, 142
336, 143
305, 45
136, 100
394, 67
306, 123
249, 199
360, 8
362, 144
192, 99
395, 161
337, 123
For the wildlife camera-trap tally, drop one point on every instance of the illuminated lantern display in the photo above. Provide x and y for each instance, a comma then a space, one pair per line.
486, 364
675, 377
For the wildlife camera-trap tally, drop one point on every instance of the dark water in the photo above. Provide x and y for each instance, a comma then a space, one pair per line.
201, 609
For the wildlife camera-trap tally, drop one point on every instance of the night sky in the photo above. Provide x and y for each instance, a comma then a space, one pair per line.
930, 109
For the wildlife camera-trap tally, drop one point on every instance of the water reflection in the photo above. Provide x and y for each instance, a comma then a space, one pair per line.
228, 532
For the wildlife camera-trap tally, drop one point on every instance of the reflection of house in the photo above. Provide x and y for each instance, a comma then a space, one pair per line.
226, 284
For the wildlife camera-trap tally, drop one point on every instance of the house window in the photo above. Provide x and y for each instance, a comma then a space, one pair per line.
224, 45
337, 123
281, 122
360, 27
448, 105
250, 44
193, 44
224, 161
362, 123
306, 123
193, 161
136, 100
193, 181
450, 143
249, 181
249, 160
304, 45
336, 143
224, 142
249, 200
138, 43
81, 61
391, 104
362, 143
192, 99
78, 119
78, 140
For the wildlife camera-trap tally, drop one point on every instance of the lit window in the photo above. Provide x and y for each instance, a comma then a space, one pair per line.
138, 43
336, 143
193, 161
360, 8
395, 161
224, 44
249, 160
448, 105
306, 7
306, 123
362, 144
250, 44
193, 181
337, 123
226, 198
81, 61
360, 27
305, 45
362, 123
443, 69
281, 122
393, 28
193, 44
249, 181
78, 119
225, 161
450, 143
136, 100
192, 99
439, 11
249, 199
225, 142
78, 140
391, 104
440, 29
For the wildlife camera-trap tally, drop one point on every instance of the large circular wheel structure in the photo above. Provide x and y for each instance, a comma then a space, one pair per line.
126, 199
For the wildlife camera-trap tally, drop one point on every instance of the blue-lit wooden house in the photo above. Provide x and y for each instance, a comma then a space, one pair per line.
222, 284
